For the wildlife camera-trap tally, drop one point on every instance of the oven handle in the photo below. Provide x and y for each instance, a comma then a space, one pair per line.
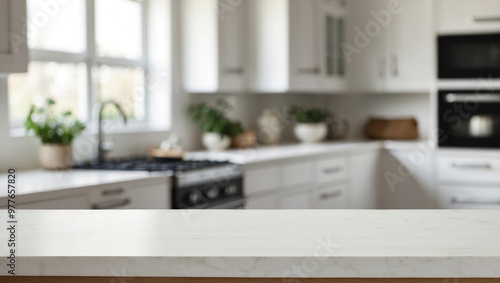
239, 203
473, 97
462, 199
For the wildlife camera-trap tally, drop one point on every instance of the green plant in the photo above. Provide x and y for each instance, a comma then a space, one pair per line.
213, 118
52, 128
308, 115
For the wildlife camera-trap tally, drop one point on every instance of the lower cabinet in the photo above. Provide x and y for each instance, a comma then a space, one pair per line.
73, 202
330, 197
298, 200
469, 197
312, 183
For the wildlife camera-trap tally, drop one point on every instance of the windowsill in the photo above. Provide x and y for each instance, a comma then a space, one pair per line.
130, 129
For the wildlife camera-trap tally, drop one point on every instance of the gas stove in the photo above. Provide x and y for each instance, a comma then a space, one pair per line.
199, 184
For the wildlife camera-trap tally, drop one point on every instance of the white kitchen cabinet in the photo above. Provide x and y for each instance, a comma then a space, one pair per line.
410, 47
293, 48
466, 16
261, 202
469, 197
13, 36
330, 196
469, 170
390, 46
296, 200
214, 45
73, 202
142, 195
407, 179
364, 180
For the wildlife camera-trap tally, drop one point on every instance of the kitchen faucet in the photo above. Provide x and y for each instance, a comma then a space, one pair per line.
104, 147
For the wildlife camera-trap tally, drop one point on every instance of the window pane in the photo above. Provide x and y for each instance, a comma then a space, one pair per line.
65, 83
125, 86
57, 25
119, 28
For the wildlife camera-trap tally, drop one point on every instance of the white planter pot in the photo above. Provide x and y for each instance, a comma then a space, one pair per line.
55, 156
310, 132
214, 142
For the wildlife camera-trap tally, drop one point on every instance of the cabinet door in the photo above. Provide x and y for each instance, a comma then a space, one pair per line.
262, 202
458, 16
298, 200
364, 55
75, 202
332, 25
147, 196
233, 17
363, 190
304, 53
331, 197
411, 67
13, 36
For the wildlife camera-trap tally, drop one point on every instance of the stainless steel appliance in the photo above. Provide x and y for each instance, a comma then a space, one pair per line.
469, 56
469, 118
195, 184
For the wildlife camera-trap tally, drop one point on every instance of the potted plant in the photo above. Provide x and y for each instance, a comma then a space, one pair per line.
311, 124
217, 128
56, 133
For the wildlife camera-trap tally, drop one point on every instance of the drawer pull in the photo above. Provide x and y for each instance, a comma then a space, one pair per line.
113, 192
483, 19
471, 165
331, 195
474, 200
332, 170
111, 204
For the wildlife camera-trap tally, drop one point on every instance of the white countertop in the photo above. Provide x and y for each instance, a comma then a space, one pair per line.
285, 151
257, 243
39, 181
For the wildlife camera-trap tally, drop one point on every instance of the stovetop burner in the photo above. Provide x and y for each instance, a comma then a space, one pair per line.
151, 165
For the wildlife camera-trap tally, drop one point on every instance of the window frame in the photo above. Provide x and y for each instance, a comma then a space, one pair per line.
92, 61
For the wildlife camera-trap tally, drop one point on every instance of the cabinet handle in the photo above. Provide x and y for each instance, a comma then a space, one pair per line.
471, 165
394, 66
484, 19
308, 71
235, 71
325, 196
332, 170
113, 192
474, 200
111, 204
382, 70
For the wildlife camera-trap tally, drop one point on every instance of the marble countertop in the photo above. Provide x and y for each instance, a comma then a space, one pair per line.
257, 243
40, 181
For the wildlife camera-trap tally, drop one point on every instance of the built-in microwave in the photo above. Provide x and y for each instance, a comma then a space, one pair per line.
469, 56
469, 118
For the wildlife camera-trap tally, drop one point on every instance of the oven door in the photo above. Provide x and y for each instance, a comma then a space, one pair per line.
469, 119
469, 56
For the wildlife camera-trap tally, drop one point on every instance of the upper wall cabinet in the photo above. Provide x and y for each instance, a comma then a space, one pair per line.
458, 16
13, 36
295, 45
214, 45
390, 46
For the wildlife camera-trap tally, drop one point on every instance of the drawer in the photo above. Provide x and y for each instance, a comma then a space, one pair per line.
469, 170
331, 197
261, 180
332, 170
470, 197
298, 174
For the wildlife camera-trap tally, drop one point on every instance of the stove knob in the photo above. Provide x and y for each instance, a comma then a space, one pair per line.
195, 197
231, 189
212, 192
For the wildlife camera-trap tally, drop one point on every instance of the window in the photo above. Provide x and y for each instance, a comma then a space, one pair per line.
83, 52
